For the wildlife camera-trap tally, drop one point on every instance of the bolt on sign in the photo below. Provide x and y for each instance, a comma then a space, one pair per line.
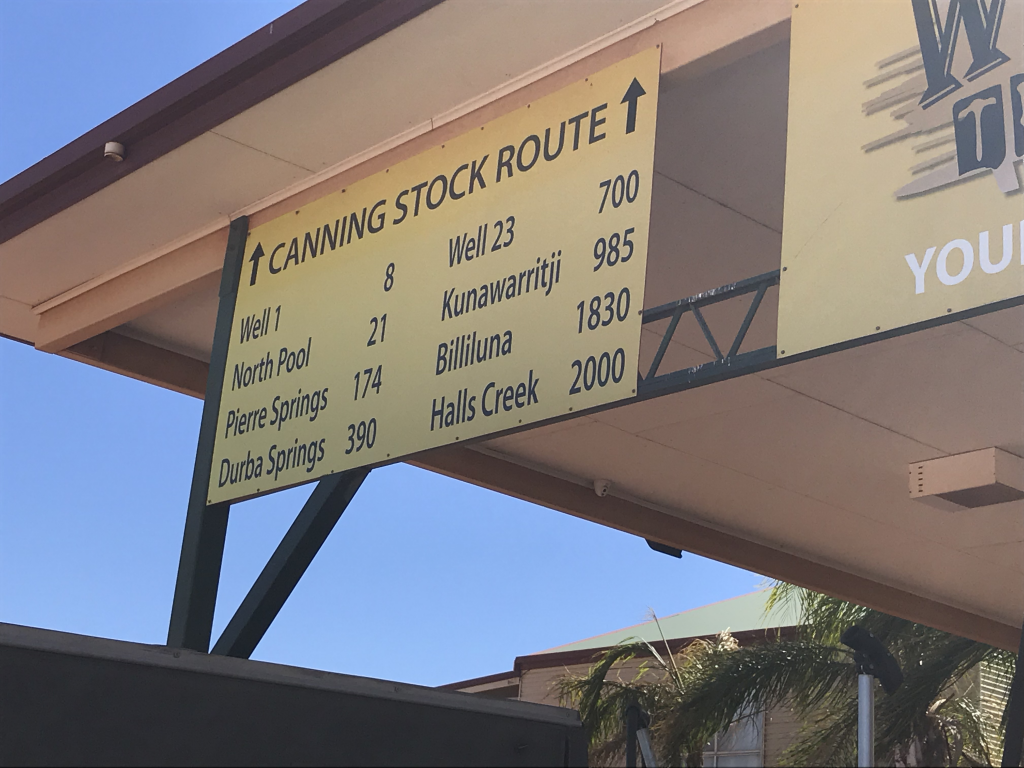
488, 283
904, 192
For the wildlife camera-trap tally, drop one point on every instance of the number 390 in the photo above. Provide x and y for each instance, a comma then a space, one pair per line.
361, 435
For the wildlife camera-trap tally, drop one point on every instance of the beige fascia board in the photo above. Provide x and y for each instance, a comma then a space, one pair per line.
141, 361
17, 321
562, 495
691, 32
130, 292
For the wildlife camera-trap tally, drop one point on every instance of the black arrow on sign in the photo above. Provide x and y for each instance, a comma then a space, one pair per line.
634, 92
255, 259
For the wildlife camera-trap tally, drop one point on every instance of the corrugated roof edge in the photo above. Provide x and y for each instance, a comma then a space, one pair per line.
591, 655
783, 628
700, 609
292, 47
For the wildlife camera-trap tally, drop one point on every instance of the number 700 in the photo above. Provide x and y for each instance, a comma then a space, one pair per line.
622, 188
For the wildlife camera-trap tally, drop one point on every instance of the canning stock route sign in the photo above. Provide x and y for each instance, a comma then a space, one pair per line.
488, 283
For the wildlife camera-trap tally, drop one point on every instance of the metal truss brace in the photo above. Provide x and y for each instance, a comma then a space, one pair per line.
732, 363
289, 562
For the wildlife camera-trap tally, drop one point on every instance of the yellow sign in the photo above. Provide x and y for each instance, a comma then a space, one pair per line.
904, 198
491, 282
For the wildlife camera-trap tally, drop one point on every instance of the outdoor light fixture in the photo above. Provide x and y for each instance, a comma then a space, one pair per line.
665, 549
114, 150
968, 480
872, 660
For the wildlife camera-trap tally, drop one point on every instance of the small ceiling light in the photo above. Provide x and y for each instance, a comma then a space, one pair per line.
114, 150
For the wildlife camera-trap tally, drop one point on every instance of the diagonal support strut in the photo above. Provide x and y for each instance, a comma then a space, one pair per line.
707, 332
665, 340
289, 562
741, 334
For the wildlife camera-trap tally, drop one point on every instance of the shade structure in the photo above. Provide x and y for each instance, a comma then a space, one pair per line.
798, 471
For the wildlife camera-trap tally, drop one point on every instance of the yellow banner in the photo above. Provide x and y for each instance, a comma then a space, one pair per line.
494, 281
904, 198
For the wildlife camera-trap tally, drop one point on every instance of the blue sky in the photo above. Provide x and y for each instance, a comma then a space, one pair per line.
424, 580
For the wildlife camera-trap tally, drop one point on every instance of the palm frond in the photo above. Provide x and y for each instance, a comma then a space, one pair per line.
722, 686
822, 619
593, 695
668, 652
959, 714
941, 661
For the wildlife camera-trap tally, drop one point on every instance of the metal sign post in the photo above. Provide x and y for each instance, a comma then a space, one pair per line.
638, 724
865, 721
202, 547
872, 660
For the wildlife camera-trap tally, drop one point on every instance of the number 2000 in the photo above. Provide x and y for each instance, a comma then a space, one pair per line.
597, 371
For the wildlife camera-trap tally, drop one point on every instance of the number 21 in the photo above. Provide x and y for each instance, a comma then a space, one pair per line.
376, 323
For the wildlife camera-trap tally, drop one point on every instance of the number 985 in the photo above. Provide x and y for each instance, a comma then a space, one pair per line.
617, 249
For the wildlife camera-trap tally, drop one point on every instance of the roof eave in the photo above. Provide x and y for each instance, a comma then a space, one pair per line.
292, 47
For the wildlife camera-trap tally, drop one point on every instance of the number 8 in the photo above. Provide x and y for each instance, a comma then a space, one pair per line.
613, 250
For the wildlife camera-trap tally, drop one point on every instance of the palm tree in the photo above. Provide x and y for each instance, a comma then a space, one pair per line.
932, 719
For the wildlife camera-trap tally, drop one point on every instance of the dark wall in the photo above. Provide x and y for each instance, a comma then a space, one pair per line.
71, 708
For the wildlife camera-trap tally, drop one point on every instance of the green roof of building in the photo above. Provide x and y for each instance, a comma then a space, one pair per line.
737, 614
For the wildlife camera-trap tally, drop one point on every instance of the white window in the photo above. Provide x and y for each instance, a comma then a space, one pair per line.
995, 690
739, 745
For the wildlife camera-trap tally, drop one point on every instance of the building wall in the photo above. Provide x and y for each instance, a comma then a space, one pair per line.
781, 728
541, 685
994, 688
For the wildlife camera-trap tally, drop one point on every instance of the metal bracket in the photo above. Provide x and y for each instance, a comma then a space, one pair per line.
726, 365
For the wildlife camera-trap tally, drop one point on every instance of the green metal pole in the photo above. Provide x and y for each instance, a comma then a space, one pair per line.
202, 547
